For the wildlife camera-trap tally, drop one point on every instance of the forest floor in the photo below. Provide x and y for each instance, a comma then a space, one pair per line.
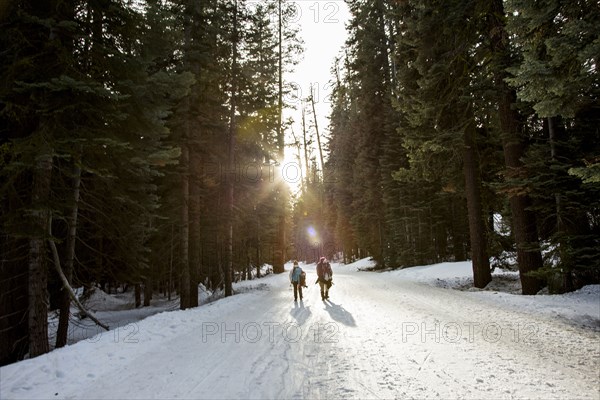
421, 332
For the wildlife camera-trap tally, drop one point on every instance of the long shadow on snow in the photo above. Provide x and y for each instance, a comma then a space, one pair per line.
339, 313
300, 313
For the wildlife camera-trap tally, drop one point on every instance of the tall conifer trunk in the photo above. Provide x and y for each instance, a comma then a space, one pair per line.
65, 301
477, 232
185, 169
312, 102
38, 272
39, 216
67, 8
279, 254
525, 232
184, 284
194, 210
231, 157
306, 165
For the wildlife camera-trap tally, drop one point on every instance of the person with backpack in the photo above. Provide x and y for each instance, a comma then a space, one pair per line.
296, 275
324, 277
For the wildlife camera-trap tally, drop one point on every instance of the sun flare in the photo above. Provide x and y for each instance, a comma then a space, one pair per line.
291, 172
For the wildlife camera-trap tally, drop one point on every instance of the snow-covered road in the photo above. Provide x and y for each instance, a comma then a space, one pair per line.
378, 337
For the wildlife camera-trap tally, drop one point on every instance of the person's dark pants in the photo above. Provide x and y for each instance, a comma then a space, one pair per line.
297, 290
324, 289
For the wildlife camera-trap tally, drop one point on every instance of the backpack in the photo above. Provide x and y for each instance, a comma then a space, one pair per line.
302, 281
327, 272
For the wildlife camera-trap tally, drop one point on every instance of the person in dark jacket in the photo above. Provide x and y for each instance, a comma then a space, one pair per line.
295, 274
324, 277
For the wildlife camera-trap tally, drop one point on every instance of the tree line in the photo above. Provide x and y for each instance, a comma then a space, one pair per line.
469, 130
140, 144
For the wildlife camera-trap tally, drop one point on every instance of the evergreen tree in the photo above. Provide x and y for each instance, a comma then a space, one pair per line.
558, 43
369, 53
105, 113
38, 46
510, 123
439, 127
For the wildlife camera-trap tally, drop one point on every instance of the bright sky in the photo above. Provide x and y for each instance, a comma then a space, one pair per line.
323, 30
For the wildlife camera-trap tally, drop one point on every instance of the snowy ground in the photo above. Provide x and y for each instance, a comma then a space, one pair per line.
393, 334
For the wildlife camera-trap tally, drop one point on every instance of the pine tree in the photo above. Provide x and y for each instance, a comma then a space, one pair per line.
438, 129
370, 61
105, 108
558, 43
523, 219
32, 117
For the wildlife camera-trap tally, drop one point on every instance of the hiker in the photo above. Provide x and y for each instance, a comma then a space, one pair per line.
295, 278
324, 277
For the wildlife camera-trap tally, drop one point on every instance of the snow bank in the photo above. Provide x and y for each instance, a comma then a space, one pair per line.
360, 265
98, 300
581, 308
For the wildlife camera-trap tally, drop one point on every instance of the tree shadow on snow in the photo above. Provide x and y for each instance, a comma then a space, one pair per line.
339, 313
300, 312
